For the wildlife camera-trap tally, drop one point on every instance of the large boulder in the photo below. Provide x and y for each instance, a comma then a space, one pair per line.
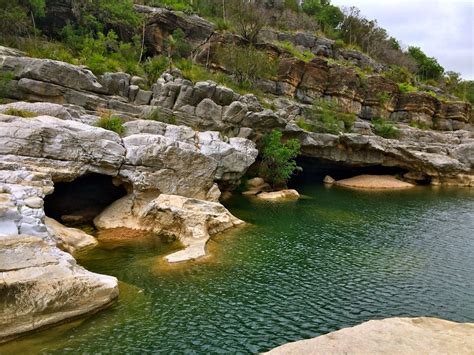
35, 273
421, 335
42, 286
191, 221
52, 71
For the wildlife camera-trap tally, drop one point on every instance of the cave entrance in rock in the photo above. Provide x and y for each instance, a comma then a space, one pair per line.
81, 200
315, 169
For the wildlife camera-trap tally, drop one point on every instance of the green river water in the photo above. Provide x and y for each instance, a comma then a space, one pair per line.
299, 269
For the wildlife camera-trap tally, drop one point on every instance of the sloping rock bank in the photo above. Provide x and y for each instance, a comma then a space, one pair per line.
390, 336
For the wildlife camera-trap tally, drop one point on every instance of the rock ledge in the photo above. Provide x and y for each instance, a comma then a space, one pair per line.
421, 335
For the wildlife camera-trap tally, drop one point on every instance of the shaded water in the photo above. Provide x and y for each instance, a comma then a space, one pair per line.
301, 269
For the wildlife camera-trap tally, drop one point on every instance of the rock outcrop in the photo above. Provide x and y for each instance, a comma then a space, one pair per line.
189, 220
42, 286
440, 158
176, 165
390, 336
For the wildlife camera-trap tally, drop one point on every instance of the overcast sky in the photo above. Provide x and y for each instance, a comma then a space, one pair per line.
444, 29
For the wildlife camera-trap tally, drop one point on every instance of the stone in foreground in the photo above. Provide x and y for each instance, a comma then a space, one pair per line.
421, 335
42, 286
279, 195
374, 182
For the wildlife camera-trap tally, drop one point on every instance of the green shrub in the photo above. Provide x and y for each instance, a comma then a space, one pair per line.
407, 88
109, 122
305, 56
278, 162
398, 74
196, 72
247, 63
385, 129
419, 125
221, 25
383, 97
178, 45
19, 113
326, 117
154, 67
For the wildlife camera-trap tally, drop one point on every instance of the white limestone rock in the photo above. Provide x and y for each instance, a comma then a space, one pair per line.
189, 220
421, 335
42, 286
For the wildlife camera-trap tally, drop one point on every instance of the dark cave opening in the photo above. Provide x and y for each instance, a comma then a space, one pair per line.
81, 200
315, 169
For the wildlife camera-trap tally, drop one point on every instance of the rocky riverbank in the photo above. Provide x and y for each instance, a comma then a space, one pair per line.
183, 143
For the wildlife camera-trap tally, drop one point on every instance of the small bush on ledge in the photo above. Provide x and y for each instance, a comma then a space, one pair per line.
109, 122
278, 162
385, 129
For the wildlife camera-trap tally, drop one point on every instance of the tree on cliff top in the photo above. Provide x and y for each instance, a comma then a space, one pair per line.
428, 67
249, 17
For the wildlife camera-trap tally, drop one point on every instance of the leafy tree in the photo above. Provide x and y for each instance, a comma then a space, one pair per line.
428, 67
278, 162
328, 16
249, 17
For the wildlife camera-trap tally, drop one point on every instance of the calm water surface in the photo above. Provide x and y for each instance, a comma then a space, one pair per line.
301, 269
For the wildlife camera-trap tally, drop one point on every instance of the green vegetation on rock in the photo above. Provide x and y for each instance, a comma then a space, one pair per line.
19, 113
326, 117
385, 129
278, 162
109, 122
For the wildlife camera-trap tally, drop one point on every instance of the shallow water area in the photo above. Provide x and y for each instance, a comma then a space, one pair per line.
297, 270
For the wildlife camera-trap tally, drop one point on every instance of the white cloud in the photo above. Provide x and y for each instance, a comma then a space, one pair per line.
443, 29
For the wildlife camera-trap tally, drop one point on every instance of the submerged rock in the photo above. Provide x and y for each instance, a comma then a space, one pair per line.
328, 180
421, 335
279, 195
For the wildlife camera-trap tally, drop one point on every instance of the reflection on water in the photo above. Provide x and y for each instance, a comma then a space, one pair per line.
299, 269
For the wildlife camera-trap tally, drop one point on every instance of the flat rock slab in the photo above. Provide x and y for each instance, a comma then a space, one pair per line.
406, 336
279, 195
374, 182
